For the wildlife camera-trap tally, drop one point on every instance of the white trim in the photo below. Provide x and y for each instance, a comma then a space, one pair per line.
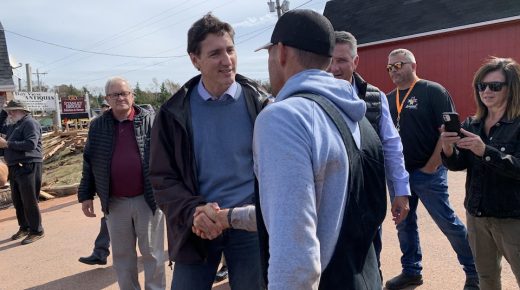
435, 32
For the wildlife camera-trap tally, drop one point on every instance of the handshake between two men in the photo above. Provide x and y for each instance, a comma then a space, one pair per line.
210, 220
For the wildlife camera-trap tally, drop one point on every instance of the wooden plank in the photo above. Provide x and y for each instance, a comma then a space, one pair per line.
69, 133
45, 196
54, 150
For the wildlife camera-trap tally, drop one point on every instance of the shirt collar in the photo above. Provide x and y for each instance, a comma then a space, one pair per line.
206, 96
130, 117
354, 85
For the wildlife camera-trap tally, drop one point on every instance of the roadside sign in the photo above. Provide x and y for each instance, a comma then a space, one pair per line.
73, 105
38, 101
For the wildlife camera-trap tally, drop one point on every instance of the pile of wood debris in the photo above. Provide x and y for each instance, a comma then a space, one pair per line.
54, 142
62, 162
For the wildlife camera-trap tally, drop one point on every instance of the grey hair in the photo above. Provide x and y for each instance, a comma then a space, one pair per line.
405, 52
116, 79
344, 37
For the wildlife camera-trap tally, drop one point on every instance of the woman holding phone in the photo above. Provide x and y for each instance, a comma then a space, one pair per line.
490, 151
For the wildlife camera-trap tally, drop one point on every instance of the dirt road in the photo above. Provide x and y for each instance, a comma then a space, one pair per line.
52, 263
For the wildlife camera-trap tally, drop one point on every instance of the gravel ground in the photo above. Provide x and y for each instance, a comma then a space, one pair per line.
51, 263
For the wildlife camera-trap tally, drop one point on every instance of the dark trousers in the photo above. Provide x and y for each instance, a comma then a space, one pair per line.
102, 242
241, 250
378, 245
26, 181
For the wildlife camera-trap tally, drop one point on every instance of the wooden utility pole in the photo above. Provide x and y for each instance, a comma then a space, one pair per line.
28, 73
37, 73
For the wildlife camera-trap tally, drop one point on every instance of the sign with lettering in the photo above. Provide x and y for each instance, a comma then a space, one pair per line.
38, 101
72, 105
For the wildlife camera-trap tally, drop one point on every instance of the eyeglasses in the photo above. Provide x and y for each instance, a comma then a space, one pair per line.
117, 95
395, 66
493, 86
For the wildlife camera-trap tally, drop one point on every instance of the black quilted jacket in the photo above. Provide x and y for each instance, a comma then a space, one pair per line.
98, 155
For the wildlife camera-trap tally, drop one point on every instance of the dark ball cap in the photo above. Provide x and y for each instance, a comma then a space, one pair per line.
306, 30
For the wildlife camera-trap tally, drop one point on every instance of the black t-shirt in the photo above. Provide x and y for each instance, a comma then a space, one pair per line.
421, 118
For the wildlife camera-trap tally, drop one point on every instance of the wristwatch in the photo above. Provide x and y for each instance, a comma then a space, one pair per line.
230, 211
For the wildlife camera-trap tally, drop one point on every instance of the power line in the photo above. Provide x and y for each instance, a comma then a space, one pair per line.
256, 33
87, 51
123, 32
145, 34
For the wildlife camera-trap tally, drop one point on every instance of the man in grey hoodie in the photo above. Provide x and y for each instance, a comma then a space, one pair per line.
302, 165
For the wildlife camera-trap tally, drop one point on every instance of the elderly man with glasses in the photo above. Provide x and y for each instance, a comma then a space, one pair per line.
115, 166
416, 107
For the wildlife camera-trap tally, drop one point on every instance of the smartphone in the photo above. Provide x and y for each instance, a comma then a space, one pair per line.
451, 122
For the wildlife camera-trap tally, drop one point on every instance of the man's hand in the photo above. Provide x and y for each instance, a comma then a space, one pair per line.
88, 208
205, 221
400, 209
210, 209
3, 142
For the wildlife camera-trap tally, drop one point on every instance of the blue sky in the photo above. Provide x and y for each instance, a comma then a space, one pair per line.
151, 28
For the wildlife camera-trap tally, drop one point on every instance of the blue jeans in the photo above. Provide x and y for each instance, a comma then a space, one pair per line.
242, 252
432, 190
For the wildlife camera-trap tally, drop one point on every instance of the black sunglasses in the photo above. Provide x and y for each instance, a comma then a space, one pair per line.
397, 66
493, 86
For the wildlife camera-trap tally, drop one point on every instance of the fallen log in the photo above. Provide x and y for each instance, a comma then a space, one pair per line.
62, 190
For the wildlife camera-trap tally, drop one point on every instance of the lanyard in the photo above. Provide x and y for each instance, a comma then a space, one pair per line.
400, 105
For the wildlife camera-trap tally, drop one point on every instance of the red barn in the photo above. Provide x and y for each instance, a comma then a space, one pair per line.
450, 39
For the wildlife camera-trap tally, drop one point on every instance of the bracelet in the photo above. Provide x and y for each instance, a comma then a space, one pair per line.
229, 217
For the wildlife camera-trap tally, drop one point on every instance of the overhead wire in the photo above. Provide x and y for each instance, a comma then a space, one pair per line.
254, 33
258, 32
163, 27
87, 51
119, 34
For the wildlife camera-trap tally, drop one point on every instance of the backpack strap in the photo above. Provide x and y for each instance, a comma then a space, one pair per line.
332, 111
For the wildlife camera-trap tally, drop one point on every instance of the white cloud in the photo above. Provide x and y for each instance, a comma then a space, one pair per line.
256, 21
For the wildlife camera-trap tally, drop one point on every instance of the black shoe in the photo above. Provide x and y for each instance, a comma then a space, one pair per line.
32, 237
403, 280
222, 274
92, 260
472, 284
19, 234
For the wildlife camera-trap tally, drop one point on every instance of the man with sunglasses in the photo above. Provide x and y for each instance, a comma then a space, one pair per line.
344, 63
416, 107
115, 166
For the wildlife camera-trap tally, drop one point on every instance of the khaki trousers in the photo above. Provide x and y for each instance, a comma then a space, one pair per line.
131, 220
490, 239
